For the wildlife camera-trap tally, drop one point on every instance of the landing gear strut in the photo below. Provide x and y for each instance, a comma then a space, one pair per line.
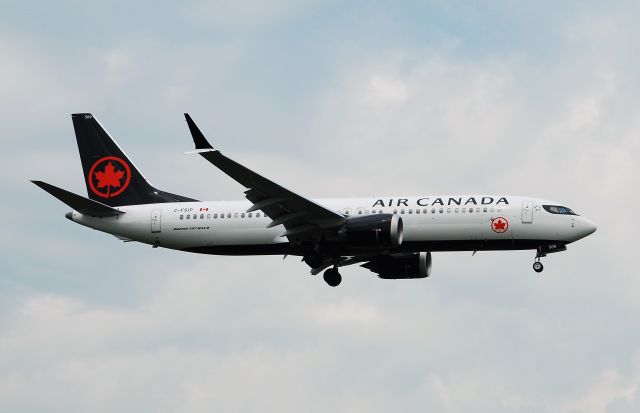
332, 277
313, 259
537, 265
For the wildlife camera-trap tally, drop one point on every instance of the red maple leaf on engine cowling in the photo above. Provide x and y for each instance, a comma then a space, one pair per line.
499, 225
109, 177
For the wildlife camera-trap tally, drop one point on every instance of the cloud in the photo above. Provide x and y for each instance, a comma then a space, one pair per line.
612, 391
258, 13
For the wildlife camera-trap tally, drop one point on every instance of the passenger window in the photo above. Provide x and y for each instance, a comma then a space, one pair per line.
402, 211
257, 215
441, 210
395, 211
250, 214
181, 216
221, 216
208, 216
188, 216
499, 209
484, 209
478, 209
448, 210
424, 211
228, 214
457, 210
242, 215
235, 215
464, 210
470, 210
215, 216
417, 211
201, 216
433, 210
491, 209
411, 211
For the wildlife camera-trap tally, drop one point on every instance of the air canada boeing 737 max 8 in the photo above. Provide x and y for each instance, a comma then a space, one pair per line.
392, 236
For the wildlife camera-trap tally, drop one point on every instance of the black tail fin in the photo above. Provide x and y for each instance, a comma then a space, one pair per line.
111, 177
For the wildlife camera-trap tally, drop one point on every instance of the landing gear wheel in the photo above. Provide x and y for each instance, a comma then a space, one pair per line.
332, 277
537, 266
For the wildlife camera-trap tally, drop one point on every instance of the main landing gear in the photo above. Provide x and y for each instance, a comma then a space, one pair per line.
313, 259
332, 277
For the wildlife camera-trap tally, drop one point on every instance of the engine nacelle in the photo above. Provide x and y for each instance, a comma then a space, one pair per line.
416, 265
380, 231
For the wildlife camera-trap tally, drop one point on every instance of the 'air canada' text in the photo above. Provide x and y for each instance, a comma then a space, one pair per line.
485, 200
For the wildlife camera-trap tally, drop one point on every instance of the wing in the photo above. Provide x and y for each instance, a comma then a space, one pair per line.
300, 216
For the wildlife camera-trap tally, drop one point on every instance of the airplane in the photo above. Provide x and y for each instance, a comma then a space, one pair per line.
392, 236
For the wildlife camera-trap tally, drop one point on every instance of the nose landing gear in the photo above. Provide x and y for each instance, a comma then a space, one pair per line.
537, 265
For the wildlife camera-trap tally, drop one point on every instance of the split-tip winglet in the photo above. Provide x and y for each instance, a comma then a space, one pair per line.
198, 138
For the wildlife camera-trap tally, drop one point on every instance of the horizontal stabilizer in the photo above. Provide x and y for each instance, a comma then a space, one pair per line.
79, 203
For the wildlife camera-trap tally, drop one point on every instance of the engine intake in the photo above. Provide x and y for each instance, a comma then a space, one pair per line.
416, 265
380, 231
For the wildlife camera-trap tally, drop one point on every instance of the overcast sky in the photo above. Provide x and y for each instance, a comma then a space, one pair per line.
330, 99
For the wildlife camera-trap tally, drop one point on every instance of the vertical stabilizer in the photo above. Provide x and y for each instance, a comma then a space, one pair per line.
111, 177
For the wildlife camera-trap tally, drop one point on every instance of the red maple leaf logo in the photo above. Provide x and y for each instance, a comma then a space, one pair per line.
107, 183
109, 178
499, 225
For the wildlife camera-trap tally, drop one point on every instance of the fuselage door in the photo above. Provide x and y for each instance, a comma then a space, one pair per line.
527, 212
156, 216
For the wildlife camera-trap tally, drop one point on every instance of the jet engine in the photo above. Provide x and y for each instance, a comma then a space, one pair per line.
397, 266
380, 231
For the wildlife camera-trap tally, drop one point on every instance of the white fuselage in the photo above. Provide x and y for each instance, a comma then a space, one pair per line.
431, 223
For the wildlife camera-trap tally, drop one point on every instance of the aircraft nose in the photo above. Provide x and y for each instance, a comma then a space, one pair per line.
586, 227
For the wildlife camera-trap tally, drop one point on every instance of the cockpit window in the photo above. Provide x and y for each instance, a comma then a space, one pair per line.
556, 209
